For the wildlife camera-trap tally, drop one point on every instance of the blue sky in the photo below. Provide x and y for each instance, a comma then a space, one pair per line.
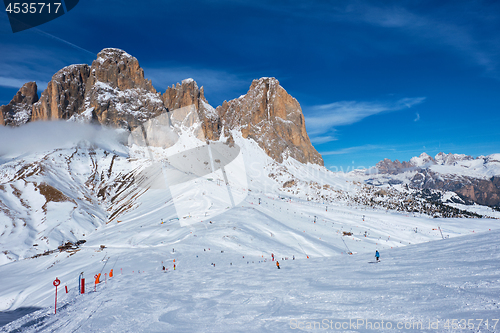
375, 79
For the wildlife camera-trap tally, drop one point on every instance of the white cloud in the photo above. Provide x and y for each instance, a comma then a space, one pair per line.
322, 119
49, 135
11, 82
468, 39
323, 139
417, 117
467, 30
25, 61
351, 150
216, 80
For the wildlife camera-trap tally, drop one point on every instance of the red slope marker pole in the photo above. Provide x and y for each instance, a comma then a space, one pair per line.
56, 283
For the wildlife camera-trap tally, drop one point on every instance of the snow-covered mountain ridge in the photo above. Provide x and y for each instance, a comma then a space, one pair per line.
460, 164
474, 180
52, 197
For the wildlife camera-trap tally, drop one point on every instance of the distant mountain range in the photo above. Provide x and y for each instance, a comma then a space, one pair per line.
475, 180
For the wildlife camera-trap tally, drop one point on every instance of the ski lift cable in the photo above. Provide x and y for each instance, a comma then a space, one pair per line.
348, 251
115, 263
105, 262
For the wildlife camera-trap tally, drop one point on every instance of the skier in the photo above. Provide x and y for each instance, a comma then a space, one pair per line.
377, 255
278, 264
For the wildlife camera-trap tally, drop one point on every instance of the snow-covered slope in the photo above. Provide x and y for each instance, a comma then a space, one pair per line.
224, 214
215, 291
48, 199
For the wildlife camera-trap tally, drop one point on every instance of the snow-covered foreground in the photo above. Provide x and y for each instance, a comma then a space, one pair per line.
421, 277
456, 278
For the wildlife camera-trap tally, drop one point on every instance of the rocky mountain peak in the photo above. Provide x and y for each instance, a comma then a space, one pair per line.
18, 111
183, 94
187, 94
64, 94
118, 69
116, 92
387, 166
474, 180
421, 160
273, 118
450, 159
265, 83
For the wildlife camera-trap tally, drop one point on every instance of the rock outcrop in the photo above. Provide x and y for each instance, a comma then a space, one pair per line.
113, 91
387, 166
188, 94
273, 118
64, 95
266, 114
18, 111
472, 190
117, 94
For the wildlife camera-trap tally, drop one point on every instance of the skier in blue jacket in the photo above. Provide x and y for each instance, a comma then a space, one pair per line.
377, 255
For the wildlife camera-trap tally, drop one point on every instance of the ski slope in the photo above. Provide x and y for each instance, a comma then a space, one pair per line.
421, 276
456, 278
225, 279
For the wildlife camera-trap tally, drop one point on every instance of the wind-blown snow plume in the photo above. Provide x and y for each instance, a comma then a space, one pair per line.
44, 136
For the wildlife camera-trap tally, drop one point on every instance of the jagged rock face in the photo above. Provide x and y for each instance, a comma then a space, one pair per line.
18, 111
187, 94
482, 191
113, 91
423, 161
389, 167
64, 95
120, 70
117, 94
451, 159
273, 118
428, 174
